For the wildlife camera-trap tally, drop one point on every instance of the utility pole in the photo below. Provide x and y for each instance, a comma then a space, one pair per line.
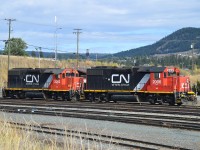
96, 59
8, 42
38, 55
56, 44
192, 46
87, 54
77, 54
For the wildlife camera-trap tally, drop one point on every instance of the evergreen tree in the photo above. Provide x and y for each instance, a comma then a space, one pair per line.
17, 47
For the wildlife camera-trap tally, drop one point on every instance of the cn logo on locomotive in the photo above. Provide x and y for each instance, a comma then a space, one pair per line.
32, 78
117, 78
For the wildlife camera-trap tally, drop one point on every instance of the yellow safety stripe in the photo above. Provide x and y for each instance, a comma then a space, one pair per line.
30, 89
192, 93
20, 89
107, 91
58, 90
130, 91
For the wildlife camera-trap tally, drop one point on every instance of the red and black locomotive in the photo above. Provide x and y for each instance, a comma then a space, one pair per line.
152, 84
44, 82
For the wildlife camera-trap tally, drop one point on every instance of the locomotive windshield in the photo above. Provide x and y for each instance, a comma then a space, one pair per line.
170, 74
71, 75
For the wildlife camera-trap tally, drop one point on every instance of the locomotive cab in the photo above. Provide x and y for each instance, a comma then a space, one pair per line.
168, 85
67, 84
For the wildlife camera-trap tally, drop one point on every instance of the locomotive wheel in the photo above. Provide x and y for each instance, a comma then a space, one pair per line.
160, 102
100, 99
68, 97
12, 96
91, 97
21, 95
55, 97
108, 97
171, 103
179, 104
152, 101
76, 97
63, 98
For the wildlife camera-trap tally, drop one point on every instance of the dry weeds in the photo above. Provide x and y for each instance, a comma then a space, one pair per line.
12, 138
33, 62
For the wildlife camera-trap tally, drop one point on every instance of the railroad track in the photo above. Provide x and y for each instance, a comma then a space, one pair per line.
101, 138
156, 119
130, 107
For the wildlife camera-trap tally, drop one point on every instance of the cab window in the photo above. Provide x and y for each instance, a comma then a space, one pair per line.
156, 75
165, 74
68, 74
63, 75
57, 76
171, 74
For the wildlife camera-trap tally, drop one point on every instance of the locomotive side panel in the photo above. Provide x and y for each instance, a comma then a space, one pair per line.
109, 79
28, 78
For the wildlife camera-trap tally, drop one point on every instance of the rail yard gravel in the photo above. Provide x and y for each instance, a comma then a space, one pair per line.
175, 137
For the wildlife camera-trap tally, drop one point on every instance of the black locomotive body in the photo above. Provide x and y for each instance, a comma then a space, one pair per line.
28, 82
103, 82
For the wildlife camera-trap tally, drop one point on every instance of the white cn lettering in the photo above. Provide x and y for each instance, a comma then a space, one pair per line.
32, 78
117, 78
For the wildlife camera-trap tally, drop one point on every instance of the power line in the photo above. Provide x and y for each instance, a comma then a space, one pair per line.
39, 24
50, 49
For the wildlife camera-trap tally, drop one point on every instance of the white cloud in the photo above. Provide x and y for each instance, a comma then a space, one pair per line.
107, 23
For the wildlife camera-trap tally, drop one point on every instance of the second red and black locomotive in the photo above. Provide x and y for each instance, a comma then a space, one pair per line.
153, 84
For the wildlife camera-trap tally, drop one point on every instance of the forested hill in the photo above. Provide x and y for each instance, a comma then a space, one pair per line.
179, 41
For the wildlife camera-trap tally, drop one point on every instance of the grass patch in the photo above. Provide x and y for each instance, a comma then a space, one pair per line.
33, 62
13, 138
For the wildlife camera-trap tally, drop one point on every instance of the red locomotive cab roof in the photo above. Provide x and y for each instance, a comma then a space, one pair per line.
167, 71
70, 70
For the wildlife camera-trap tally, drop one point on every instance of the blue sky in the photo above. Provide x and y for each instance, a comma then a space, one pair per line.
108, 26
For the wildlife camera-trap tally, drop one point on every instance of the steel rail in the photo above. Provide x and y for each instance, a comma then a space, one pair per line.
126, 142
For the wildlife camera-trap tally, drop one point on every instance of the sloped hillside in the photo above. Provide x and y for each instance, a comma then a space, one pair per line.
179, 41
